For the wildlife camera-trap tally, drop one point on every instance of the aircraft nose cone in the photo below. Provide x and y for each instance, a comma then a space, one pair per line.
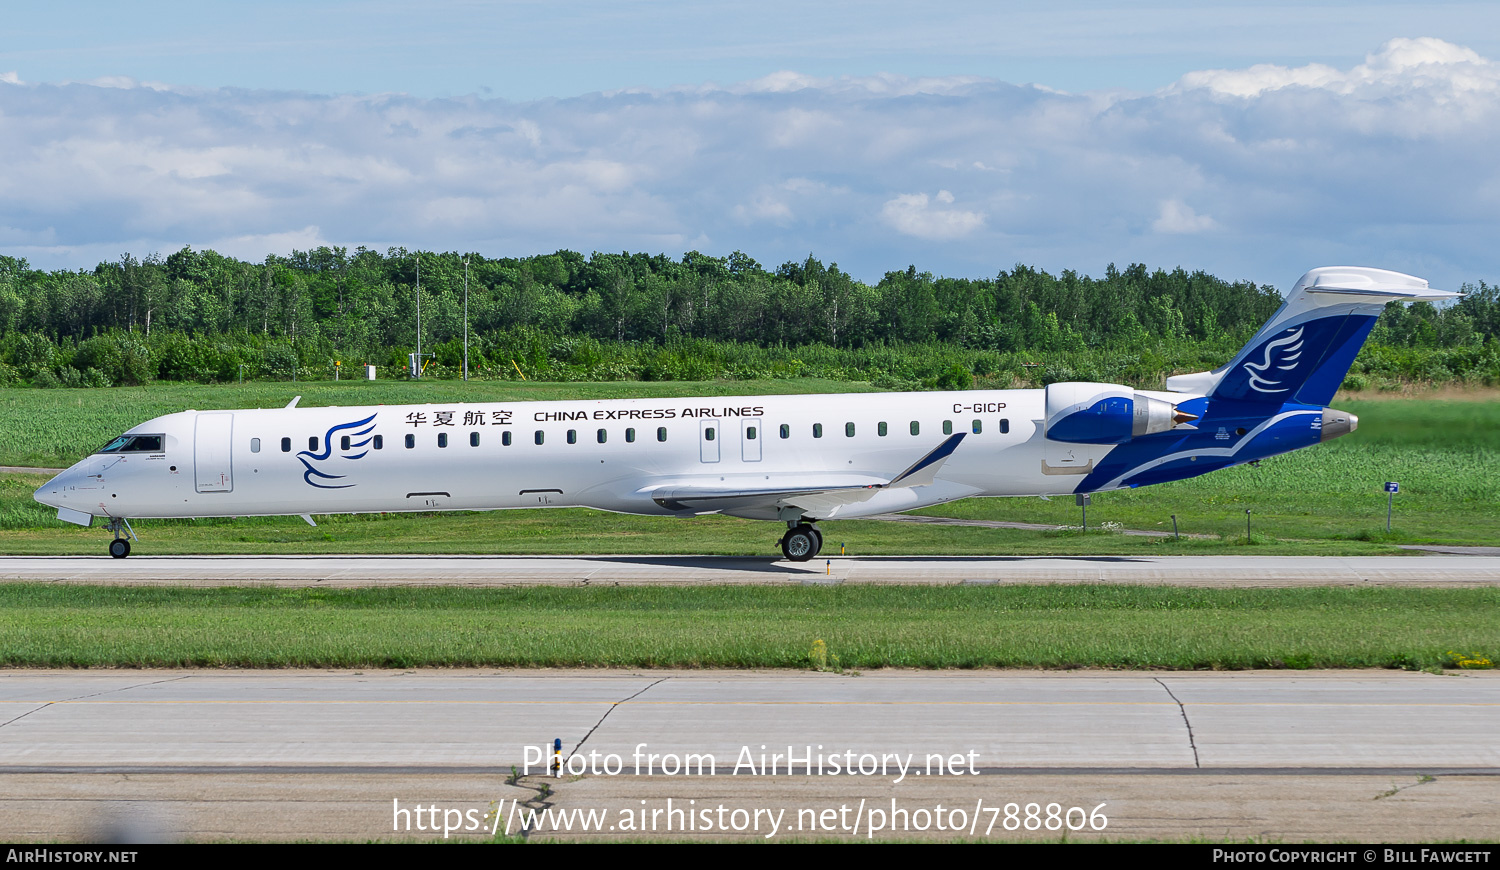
1336, 423
50, 493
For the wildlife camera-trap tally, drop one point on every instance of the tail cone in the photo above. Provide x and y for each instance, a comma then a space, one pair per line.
1336, 423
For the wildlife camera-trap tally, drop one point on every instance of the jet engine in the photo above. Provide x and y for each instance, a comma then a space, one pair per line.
1082, 413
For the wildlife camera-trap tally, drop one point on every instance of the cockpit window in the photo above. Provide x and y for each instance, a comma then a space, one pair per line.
135, 444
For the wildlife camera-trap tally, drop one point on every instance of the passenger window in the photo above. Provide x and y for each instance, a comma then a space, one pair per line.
442, 439
750, 433
880, 430
786, 431
312, 442
709, 433
505, 438
661, 433
286, 445
572, 436
916, 428
848, 430
1004, 427
540, 436
603, 436
629, 436
254, 445
344, 443
947, 427
817, 430
379, 442
978, 427
473, 439
411, 441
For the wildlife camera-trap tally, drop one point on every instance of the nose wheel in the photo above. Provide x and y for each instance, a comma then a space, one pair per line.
120, 546
801, 543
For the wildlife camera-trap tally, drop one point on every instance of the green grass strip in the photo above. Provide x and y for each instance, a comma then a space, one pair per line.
749, 627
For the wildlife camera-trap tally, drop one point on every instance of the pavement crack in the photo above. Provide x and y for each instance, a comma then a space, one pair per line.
611, 710
119, 689
1185, 721
28, 713
537, 806
1421, 780
92, 695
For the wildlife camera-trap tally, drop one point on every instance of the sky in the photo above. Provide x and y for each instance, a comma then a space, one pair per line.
1249, 140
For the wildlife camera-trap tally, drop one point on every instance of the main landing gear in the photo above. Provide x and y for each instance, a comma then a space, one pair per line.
120, 547
801, 542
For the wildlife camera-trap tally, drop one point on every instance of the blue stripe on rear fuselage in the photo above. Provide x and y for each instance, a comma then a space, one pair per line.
1215, 443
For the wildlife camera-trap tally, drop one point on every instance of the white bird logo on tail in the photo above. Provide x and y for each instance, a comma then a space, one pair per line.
1285, 351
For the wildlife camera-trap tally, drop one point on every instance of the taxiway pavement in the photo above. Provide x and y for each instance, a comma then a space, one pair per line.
348, 570
1358, 755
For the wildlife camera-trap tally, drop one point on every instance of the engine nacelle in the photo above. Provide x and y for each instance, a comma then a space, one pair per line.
1083, 413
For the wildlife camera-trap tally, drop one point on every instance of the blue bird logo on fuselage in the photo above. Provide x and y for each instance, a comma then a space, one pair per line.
356, 450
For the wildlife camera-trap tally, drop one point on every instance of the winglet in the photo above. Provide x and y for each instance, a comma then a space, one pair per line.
293, 403
922, 472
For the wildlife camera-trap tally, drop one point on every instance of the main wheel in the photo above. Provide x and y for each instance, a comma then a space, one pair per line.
119, 548
817, 540
798, 544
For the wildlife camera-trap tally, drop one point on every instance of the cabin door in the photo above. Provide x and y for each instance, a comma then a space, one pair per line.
751, 434
710, 434
212, 437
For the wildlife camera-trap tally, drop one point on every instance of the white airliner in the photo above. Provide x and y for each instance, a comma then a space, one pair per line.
790, 459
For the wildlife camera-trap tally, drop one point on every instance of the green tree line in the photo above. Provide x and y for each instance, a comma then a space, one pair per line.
201, 316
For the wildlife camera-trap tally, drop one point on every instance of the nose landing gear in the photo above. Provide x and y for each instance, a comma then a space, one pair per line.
120, 547
801, 542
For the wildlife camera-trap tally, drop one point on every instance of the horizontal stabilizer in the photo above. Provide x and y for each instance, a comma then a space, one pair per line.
1360, 281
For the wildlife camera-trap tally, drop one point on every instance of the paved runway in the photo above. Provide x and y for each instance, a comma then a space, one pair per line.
1423, 570
274, 754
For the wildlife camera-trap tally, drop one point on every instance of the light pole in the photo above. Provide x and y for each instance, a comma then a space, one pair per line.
419, 314
466, 318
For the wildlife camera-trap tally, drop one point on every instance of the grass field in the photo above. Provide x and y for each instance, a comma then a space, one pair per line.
861, 626
1444, 450
28, 528
1445, 453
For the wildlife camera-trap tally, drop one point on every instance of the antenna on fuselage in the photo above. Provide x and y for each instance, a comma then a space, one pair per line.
293, 402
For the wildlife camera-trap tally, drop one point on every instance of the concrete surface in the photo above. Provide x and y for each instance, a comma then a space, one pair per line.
283, 755
1428, 570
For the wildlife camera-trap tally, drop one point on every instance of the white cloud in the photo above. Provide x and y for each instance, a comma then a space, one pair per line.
254, 248
913, 215
10, 78
1388, 162
885, 84
1178, 217
1425, 61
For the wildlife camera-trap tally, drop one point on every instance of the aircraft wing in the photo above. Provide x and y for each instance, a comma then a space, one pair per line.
818, 495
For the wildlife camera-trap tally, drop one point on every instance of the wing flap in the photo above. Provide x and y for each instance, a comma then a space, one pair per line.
819, 496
